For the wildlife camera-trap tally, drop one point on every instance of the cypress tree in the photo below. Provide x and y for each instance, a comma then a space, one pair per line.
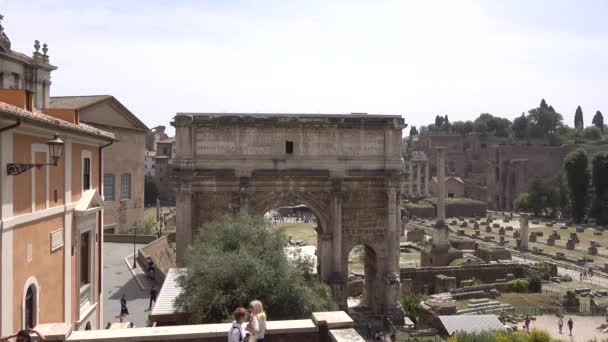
598, 120
577, 176
578, 118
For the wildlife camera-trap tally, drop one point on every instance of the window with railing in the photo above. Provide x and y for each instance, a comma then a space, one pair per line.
125, 186
108, 187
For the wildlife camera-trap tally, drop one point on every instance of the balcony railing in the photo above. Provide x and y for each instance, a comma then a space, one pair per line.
85, 295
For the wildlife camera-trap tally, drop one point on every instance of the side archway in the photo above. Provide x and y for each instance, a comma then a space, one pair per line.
30, 309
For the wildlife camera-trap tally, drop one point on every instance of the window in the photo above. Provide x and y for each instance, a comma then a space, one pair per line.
86, 173
15, 81
30, 307
125, 186
450, 195
85, 253
108, 187
289, 147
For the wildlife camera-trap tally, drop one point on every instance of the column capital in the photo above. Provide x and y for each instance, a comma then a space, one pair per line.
393, 183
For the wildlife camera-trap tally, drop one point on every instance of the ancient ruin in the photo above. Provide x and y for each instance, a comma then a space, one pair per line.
346, 168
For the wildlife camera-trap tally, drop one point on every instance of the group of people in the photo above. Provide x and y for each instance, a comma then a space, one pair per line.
586, 274
560, 324
256, 324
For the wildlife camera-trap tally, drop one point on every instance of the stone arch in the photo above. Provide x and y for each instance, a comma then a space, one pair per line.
263, 202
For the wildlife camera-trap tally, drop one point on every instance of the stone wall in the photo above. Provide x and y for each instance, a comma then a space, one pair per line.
486, 273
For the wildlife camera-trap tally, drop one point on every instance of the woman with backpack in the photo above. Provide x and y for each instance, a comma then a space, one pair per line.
257, 325
236, 333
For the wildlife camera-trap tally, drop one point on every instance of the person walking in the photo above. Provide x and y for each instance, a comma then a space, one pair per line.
153, 295
257, 324
560, 324
570, 325
123, 306
527, 322
236, 333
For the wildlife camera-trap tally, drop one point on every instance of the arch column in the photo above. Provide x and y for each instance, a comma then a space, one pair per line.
339, 280
392, 283
324, 255
183, 224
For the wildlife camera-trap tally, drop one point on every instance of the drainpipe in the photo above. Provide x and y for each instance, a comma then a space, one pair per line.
100, 223
15, 125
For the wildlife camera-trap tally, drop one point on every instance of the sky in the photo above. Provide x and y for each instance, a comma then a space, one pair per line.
411, 58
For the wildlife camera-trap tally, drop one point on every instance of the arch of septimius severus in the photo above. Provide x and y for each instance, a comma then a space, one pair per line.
346, 168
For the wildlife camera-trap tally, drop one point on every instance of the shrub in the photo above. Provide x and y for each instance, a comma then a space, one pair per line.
537, 335
519, 285
410, 302
535, 284
592, 133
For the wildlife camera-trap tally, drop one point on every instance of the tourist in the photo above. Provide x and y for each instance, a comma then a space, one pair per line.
570, 325
153, 294
257, 324
560, 324
236, 333
590, 272
527, 322
123, 306
151, 270
24, 336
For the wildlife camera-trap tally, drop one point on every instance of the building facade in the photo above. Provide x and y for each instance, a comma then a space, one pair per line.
51, 218
124, 169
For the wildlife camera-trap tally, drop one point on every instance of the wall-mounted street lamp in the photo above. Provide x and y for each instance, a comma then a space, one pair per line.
55, 151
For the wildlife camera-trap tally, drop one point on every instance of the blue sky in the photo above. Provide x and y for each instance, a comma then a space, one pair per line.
413, 58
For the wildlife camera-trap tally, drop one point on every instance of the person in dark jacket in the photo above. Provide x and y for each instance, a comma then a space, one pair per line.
153, 295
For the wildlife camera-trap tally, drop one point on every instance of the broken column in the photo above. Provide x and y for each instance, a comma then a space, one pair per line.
419, 178
523, 232
440, 233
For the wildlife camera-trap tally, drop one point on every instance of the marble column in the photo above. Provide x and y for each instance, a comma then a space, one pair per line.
523, 232
410, 178
243, 194
426, 178
392, 283
440, 186
183, 224
339, 280
324, 243
419, 178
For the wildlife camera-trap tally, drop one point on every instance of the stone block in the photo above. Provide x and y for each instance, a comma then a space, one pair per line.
535, 222
453, 222
597, 232
477, 233
594, 243
532, 237
539, 234
592, 250
488, 229
483, 223
464, 224
516, 234
570, 245
574, 238
502, 240
563, 226
476, 226
580, 229
501, 231
550, 241
560, 255
460, 232
472, 221
549, 224
496, 225
506, 220
488, 238
509, 228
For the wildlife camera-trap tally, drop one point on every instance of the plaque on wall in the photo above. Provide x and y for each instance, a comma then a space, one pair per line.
56, 239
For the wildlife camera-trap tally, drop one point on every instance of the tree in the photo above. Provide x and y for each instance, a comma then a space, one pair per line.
599, 178
413, 131
578, 118
487, 124
446, 120
239, 258
598, 120
522, 202
520, 127
438, 120
544, 197
544, 121
577, 177
150, 191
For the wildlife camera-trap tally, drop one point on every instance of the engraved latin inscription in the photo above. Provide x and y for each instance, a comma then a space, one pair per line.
214, 141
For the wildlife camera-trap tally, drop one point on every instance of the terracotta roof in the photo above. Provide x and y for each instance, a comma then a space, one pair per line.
82, 102
37, 117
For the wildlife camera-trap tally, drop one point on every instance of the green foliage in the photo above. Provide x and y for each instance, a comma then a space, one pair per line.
578, 118
487, 124
522, 202
535, 284
240, 258
150, 191
577, 176
544, 120
592, 133
146, 227
599, 178
520, 127
598, 120
410, 302
519, 285
535, 335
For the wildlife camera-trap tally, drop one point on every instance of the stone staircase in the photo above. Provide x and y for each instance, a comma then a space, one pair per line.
476, 306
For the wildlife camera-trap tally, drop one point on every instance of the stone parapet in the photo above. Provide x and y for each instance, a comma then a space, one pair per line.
334, 326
